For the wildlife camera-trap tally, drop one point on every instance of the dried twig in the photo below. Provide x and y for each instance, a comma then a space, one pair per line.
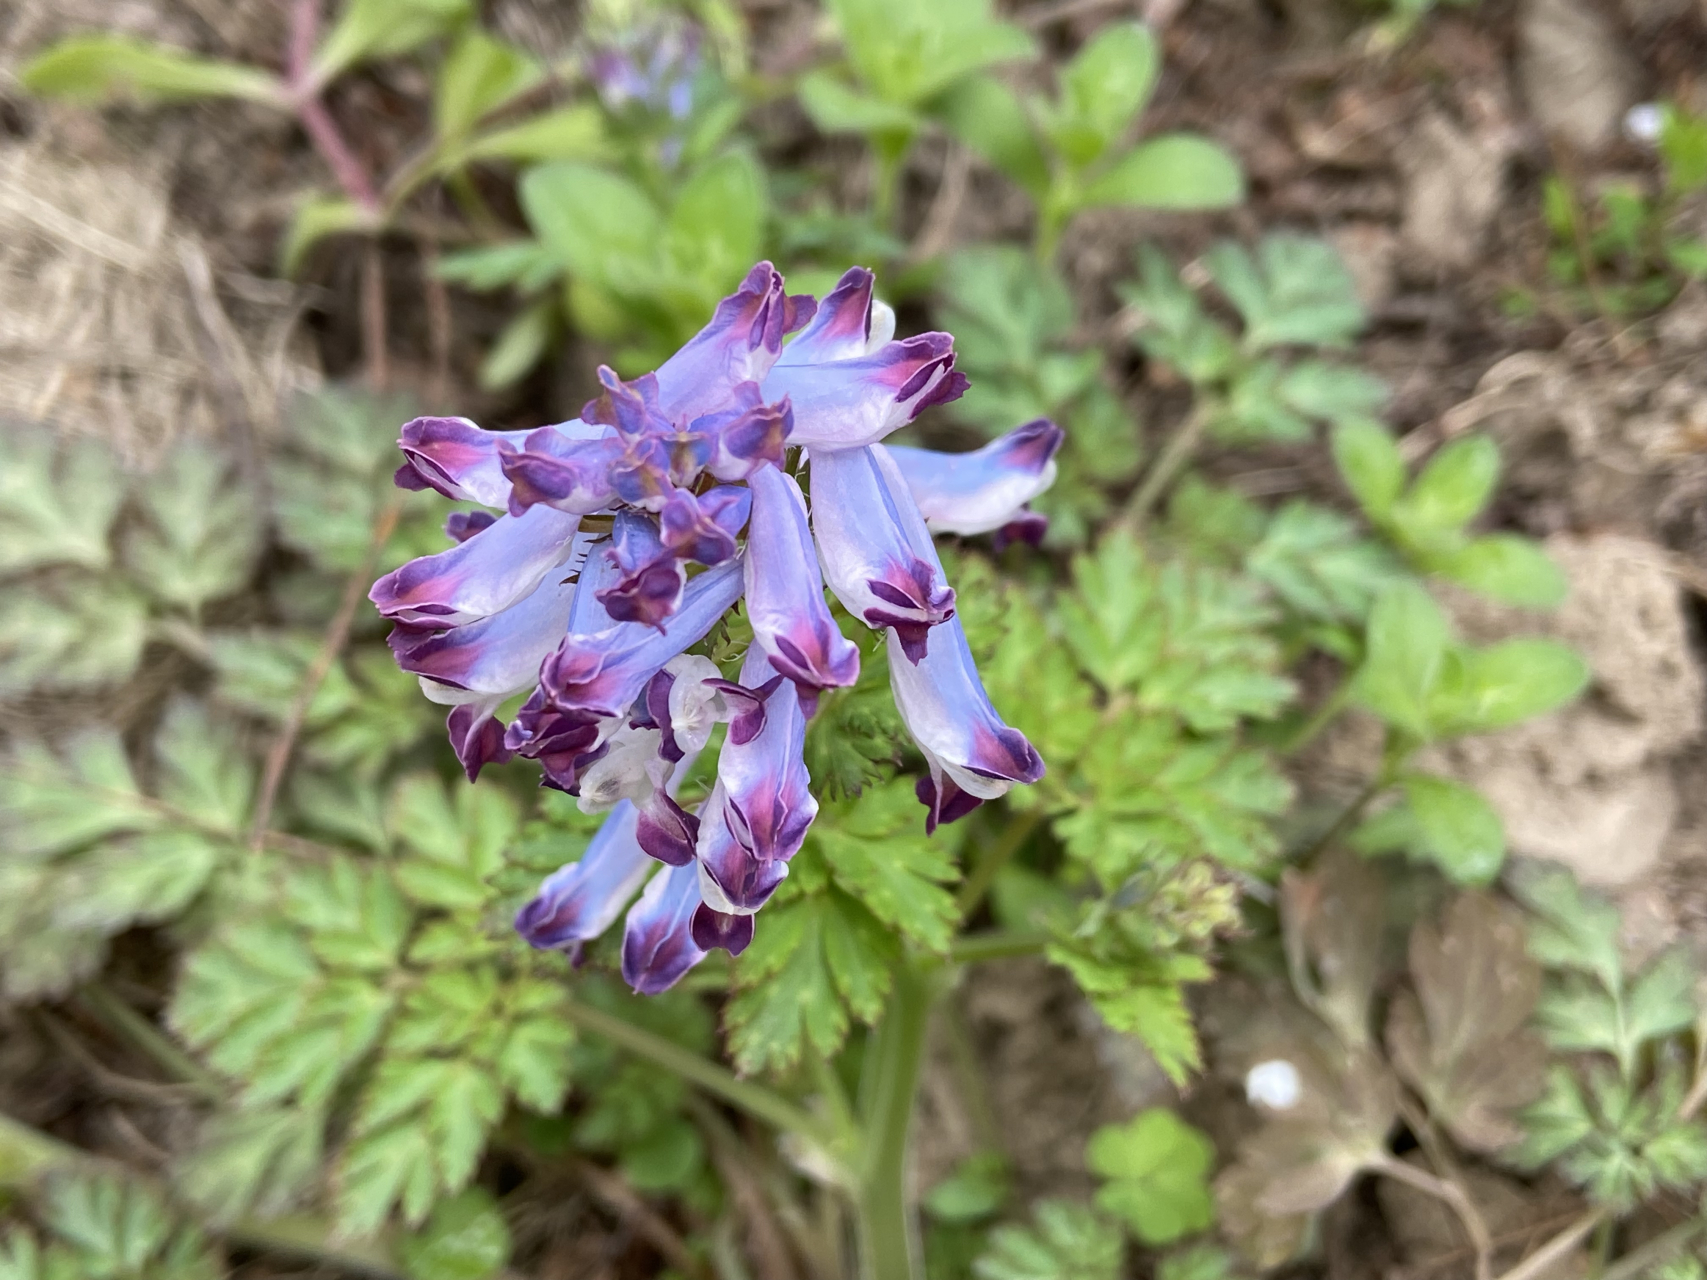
765, 1239
374, 352
1451, 1193
621, 1199
945, 207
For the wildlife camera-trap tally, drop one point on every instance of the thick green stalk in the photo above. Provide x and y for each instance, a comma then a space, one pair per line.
889, 1245
756, 1100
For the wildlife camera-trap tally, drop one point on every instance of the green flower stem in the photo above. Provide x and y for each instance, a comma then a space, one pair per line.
1167, 466
1324, 715
996, 856
997, 944
1662, 1248
756, 1100
889, 150
106, 1005
27, 1154
886, 1229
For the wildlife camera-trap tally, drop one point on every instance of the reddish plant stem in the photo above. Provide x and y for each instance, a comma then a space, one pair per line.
316, 121
373, 318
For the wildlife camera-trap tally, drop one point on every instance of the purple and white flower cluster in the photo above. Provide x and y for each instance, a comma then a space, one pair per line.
579, 594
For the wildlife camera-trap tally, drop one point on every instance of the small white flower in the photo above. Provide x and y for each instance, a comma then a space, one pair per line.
1643, 122
695, 706
622, 773
1273, 1084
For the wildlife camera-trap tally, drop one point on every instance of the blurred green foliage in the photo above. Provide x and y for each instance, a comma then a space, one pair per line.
198, 752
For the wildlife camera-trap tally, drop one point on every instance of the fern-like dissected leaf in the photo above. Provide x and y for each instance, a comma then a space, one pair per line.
1193, 644
57, 504
821, 960
382, 982
1069, 1242
203, 529
88, 855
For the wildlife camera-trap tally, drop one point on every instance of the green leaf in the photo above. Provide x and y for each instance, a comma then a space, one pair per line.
1199, 1262
836, 108
525, 264
1297, 292
520, 346
716, 226
251, 1159
1683, 147
1315, 562
141, 881
1155, 1170
1192, 643
908, 53
1370, 464
1155, 1012
1177, 330
51, 803
1572, 929
1332, 393
1069, 1243
118, 1227
1662, 1000
1508, 568
598, 224
566, 133
666, 1159
977, 1189
479, 75
203, 531
1172, 171
1462, 834
1104, 88
384, 29
464, 1239
70, 635
875, 849
1454, 486
1157, 797
316, 218
817, 960
1485, 689
460, 844
57, 502
94, 68
984, 114
1404, 654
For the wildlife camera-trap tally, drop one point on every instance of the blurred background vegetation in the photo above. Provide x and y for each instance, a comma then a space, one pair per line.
1359, 926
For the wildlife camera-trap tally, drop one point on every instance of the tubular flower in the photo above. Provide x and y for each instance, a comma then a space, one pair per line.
616, 542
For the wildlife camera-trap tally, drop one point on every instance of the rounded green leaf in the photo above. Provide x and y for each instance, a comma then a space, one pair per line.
664, 1159
1103, 89
1369, 463
836, 108
1157, 1169
1403, 658
464, 1239
597, 223
1174, 171
1454, 486
1459, 830
1506, 683
985, 115
1508, 568
94, 68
